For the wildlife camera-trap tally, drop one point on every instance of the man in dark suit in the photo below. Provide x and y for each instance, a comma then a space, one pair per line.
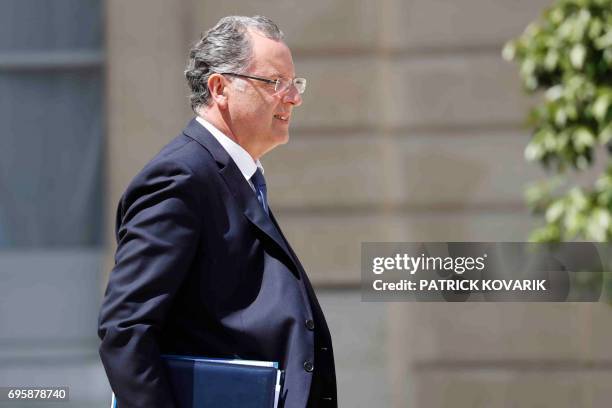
202, 267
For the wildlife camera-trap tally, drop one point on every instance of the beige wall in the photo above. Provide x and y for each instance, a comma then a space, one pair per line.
410, 130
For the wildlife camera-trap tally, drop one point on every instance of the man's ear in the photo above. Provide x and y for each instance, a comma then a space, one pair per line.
218, 90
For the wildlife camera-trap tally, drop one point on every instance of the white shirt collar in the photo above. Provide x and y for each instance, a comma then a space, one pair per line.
241, 157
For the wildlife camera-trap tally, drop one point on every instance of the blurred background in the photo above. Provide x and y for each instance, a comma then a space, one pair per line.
411, 130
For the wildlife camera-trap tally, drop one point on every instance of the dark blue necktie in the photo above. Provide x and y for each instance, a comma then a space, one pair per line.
259, 182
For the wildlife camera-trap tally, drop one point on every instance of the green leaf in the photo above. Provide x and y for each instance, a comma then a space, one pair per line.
571, 111
604, 182
557, 15
582, 163
531, 83
566, 29
598, 224
528, 66
554, 93
601, 105
605, 40
563, 139
577, 55
547, 233
509, 51
534, 151
541, 142
595, 28
577, 198
583, 139
555, 211
606, 134
560, 117
552, 59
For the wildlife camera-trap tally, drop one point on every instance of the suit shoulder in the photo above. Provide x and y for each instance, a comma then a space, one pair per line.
182, 154
183, 151
181, 160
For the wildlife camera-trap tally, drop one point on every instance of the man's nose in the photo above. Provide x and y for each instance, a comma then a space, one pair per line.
293, 96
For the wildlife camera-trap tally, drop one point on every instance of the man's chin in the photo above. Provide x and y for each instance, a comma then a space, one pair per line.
282, 139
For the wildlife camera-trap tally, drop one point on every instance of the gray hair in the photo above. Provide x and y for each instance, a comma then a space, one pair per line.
224, 48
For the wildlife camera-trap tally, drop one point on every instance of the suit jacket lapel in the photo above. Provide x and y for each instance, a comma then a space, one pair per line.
239, 187
314, 302
312, 299
250, 205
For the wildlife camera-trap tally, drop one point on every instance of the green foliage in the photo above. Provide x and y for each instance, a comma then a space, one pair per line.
567, 57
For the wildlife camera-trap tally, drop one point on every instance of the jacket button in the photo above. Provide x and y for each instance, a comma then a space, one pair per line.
308, 366
310, 325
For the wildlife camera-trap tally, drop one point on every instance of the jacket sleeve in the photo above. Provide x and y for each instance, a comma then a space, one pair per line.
157, 236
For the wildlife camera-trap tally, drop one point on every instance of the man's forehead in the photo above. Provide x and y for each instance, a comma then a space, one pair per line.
270, 57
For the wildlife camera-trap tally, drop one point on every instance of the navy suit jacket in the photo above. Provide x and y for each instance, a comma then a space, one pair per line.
201, 269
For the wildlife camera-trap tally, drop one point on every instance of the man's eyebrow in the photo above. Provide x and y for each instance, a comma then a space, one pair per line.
277, 74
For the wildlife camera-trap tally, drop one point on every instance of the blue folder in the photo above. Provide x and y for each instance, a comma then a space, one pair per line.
207, 382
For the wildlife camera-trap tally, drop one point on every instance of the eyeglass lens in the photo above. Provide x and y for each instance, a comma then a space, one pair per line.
284, 84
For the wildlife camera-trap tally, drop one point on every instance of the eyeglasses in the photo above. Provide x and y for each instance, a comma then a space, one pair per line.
281, 85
